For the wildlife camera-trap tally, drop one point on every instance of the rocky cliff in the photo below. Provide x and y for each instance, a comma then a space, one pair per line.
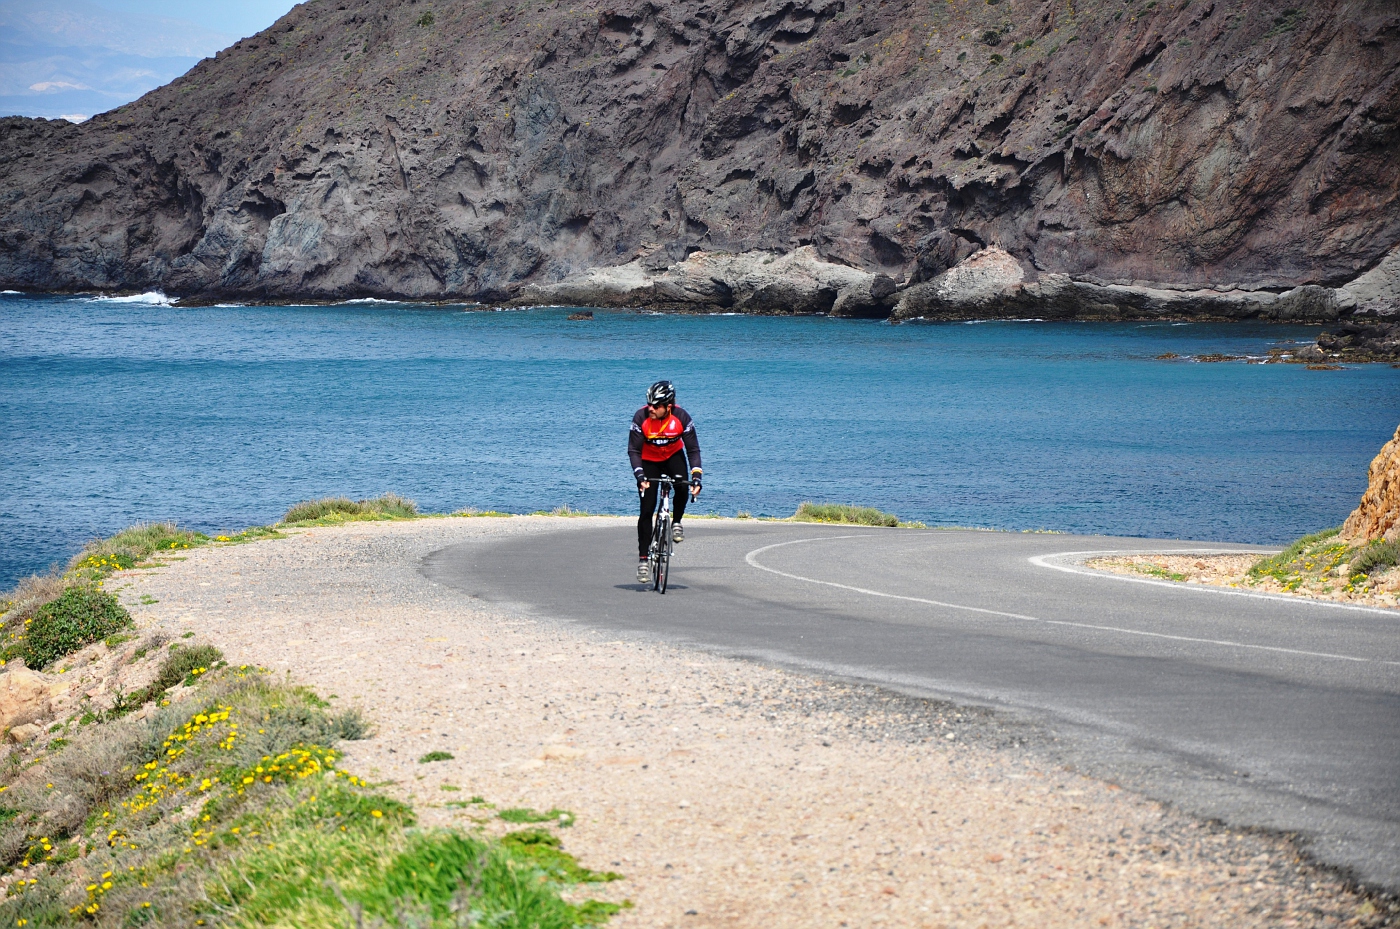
1377, 516
465, 150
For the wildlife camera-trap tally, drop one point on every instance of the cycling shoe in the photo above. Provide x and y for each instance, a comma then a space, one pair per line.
644, 572
677, 533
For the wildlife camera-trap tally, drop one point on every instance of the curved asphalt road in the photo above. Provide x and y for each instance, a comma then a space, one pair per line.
1260, 711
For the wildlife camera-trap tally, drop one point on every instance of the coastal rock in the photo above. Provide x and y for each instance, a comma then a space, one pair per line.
985, 284
991, 284
361, 149
24, 696
1378, 515
754, 282
1371, 332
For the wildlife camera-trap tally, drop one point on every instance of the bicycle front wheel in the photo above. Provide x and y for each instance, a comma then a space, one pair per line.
663, 555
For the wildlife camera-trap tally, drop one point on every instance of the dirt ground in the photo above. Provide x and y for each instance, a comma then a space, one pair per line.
728, 793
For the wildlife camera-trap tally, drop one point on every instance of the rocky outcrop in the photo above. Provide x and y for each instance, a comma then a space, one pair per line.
756, 282
1371, 305
376, 148
992, 284
1378, 515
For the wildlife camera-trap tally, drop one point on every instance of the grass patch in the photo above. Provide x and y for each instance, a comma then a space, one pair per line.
332, 511
131, 547
545, 849
474, 512
1157, 571
846, 514
564, 510
523, 814
435, 756
252, 534
1313, 554
229, 809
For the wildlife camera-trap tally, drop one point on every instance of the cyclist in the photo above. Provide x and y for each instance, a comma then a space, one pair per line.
662, 437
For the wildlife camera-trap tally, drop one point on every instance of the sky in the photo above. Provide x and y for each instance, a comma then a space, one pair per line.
73, 59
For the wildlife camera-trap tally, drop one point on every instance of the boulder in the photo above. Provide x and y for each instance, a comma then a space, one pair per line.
25, 733
24, 696
1378, 515
980, 285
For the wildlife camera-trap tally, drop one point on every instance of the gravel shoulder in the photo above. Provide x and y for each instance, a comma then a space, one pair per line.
728, 793
1233, 571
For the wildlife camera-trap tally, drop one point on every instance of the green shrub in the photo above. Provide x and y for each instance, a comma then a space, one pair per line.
427, 19
80, 616
435, 756
843, 513
342, 509
1377, 555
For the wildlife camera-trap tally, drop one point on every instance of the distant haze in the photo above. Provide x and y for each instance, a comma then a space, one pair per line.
73, 58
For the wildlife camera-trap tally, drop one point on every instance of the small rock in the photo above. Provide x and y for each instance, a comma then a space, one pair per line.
561, 753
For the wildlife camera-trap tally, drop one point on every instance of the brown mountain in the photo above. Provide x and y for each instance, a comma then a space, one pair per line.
462, 149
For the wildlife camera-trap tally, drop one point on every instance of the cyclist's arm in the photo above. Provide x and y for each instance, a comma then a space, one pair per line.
691, 440
634, 444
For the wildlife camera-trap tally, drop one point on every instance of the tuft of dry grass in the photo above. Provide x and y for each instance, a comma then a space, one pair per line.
844, 513
330, 511
21, 603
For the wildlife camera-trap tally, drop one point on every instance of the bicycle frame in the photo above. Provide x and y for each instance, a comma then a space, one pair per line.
659, 554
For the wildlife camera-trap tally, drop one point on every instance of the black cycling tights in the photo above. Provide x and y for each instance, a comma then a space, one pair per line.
675, 467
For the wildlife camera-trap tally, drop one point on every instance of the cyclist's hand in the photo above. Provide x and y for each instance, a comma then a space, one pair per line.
643, 486
694, 484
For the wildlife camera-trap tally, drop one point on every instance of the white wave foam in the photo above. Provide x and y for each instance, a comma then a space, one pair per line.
17, 293
149, 298
369, 300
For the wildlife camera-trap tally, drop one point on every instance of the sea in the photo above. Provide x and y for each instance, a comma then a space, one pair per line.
121, 410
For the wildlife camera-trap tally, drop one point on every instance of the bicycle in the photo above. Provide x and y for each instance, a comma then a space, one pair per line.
659, 552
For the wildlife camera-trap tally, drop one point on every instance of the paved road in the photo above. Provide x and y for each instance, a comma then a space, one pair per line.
1257, 710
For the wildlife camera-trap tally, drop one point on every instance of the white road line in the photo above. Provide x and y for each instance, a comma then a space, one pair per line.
1047, 561
752, 559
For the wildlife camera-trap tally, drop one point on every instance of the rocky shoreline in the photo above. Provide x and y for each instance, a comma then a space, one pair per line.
1363, 315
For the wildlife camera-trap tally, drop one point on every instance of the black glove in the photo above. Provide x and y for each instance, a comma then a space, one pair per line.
695, 482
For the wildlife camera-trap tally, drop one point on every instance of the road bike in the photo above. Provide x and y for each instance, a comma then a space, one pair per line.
659, 552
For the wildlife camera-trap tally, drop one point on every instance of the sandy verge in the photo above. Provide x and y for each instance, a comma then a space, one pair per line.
1232, 571
729, 794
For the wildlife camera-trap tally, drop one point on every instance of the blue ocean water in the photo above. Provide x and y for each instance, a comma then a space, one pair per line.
115, 411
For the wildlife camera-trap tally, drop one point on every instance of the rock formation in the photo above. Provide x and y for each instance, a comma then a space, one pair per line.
462, 150
24, 696
1378, 515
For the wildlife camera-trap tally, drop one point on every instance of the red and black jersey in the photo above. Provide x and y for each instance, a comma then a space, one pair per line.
659, 439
